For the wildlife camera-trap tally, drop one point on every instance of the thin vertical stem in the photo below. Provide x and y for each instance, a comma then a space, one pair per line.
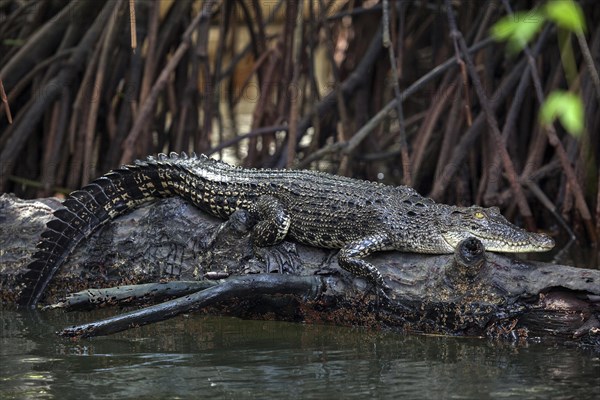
387, 43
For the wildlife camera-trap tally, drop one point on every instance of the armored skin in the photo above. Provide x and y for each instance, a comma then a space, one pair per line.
314, 208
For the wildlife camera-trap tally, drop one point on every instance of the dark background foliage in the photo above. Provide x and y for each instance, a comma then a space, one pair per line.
303, 85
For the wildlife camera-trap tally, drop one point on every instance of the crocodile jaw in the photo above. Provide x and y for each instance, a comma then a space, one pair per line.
492, 229
536, 242
523, 242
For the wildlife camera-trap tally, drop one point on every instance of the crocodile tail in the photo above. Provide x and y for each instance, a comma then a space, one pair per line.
87, 209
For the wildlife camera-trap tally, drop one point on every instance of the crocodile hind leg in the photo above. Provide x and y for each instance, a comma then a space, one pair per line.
267, 218
272, 221
268, 221
350, 259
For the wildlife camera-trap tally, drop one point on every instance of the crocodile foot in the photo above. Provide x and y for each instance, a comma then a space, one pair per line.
281, 258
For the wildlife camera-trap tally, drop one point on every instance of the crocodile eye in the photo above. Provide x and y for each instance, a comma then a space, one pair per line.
478, 215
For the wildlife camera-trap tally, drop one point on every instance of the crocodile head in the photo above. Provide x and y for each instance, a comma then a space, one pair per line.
492, 229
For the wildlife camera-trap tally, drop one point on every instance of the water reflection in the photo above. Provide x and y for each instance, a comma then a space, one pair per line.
203, 357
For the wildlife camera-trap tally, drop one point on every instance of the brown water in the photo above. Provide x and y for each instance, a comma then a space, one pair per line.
215, 357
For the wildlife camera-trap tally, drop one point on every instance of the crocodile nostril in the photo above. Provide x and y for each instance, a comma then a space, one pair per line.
543, 240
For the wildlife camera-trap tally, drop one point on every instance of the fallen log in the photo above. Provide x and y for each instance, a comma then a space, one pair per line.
161, 244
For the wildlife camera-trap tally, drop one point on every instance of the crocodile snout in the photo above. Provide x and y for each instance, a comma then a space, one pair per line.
542, 240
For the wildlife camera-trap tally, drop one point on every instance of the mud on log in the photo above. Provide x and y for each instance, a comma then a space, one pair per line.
171, 247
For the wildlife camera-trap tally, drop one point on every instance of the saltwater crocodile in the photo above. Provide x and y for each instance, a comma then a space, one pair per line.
315, 208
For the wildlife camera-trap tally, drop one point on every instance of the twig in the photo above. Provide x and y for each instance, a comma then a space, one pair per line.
259, 111
132, 27
39, 46
387, 43
236, 287
412, 89
146, 109
294, 89
439, 102
598, 218
337, 86
27, 121
255, 68
54, 143
36, 184
26, 80
252, 133
150, 60
465, 83
511, 118
215, 96
81, 107
356, 11
491, 120
451, 133
558, 147
589, 62
5, 103
259, 42
350, 85
202, 139
364, 131
92, 115
541, 196
130, 294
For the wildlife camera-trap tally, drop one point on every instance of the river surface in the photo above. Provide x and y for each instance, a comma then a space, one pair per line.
197, 356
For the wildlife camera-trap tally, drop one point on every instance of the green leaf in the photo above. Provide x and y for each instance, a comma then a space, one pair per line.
518, 29
566, 14
13, 42
567, 107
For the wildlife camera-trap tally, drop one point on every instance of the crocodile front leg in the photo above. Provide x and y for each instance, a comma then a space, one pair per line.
350, 258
